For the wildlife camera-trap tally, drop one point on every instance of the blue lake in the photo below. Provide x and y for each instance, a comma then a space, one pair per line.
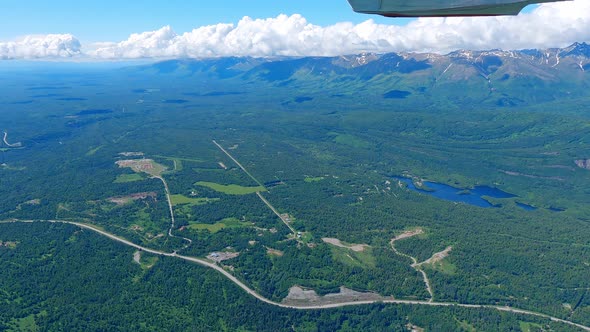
554, 209
449, 193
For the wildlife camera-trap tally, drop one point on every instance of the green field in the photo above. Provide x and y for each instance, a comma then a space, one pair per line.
216, 227
192, 160
181, 200
212, 228
443, 266
364, 259
148, 224
231, 189
24, 324
148, 261
178, 166
124, 178
313, 179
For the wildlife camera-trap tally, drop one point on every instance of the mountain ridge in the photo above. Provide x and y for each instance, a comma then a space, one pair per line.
462, 77
577, 49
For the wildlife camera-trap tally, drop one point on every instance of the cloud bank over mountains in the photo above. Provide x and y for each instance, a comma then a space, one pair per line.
41, 46
549, 25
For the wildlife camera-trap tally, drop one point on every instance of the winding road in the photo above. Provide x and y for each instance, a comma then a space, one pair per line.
417, 266
15, 145
253, 293
172, 221
5, 136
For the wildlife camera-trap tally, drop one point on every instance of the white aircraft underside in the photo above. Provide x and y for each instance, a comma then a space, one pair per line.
418, 8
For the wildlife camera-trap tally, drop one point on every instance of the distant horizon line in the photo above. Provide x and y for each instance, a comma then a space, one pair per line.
87, 59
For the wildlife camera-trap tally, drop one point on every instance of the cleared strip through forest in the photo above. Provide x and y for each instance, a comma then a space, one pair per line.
237, 163
264, 200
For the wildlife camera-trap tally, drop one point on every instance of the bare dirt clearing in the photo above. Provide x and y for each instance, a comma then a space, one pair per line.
131, 154
122, 200
413, 328
408, 234
532, 176
351, 246
301, 296
274, 252
36, 201
8, 244
437, 257
222, 256
143, 165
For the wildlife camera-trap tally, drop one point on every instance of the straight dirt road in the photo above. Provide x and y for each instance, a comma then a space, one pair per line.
237, 163
253, 293
264, 200
277, 213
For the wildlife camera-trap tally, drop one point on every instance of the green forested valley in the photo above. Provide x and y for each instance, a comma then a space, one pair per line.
437, 209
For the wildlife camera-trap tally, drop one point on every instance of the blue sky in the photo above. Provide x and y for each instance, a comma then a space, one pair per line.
100, 30
103, 20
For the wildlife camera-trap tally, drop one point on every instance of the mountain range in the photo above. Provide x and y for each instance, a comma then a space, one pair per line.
494, 77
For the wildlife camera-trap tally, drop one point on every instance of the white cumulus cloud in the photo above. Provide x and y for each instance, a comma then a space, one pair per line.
41, 46
549, 25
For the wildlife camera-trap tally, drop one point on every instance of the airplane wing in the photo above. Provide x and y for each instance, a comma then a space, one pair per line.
436, 8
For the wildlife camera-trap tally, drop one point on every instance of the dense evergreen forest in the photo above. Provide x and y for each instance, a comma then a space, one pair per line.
284, 191
61, 278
